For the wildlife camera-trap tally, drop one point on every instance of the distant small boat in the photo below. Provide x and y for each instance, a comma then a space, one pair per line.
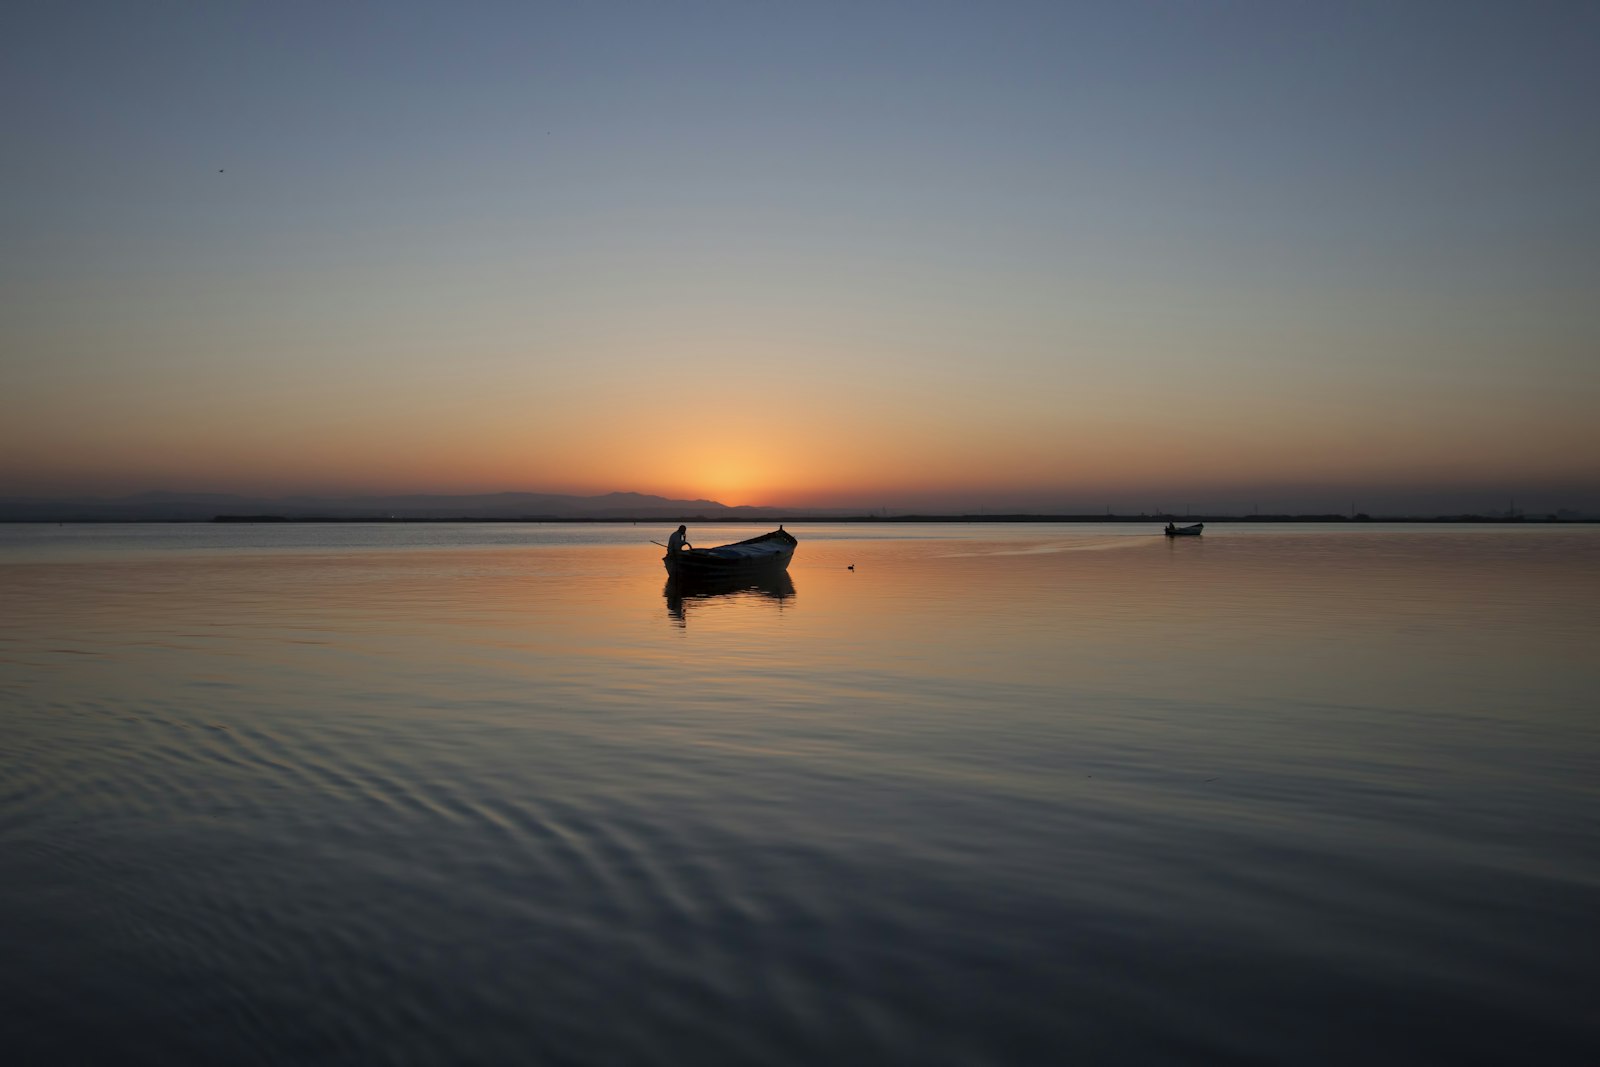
1184, 531
759, 555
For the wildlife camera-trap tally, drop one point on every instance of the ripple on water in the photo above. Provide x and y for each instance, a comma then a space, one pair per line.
1010, 806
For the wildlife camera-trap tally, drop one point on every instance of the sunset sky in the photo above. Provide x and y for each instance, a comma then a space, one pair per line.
1047, 255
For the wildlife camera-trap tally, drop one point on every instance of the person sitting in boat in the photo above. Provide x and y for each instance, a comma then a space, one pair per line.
1172, 527
679, 540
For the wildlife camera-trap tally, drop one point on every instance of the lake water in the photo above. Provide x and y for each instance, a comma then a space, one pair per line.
1000, 794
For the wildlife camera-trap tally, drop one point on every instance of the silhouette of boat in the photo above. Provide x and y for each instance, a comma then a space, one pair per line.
759, 555
1184, 531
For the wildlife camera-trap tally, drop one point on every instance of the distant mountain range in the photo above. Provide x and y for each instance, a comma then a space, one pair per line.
558, 507
197, 507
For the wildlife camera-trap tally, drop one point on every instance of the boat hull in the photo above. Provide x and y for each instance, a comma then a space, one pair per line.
1185, 531
768, 554
692, 567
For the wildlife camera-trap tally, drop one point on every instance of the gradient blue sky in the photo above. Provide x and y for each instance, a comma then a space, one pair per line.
1032, 255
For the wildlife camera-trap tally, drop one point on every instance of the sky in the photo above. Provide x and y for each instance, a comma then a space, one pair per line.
1041, 256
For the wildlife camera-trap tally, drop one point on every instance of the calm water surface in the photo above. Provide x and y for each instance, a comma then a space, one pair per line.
1001, 794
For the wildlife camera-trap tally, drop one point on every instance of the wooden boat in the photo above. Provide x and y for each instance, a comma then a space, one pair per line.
1184, 531
771, 585
759, 555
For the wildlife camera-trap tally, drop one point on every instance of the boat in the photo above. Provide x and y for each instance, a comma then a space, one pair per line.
1184, 531
765, 554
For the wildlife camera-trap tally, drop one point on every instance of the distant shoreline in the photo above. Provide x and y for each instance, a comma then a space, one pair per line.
709, 520
944, 519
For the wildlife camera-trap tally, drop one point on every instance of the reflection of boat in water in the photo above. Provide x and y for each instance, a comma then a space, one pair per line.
1184, 531
767, 554
773, 585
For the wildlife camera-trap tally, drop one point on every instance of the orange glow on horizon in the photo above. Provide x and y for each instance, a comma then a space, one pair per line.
782, 432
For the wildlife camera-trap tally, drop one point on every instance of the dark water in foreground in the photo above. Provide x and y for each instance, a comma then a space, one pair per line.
999, 795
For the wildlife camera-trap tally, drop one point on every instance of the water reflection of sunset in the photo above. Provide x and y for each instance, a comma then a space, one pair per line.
512, 743
1057, 609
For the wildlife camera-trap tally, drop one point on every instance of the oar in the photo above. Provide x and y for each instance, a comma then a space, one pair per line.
658, 543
